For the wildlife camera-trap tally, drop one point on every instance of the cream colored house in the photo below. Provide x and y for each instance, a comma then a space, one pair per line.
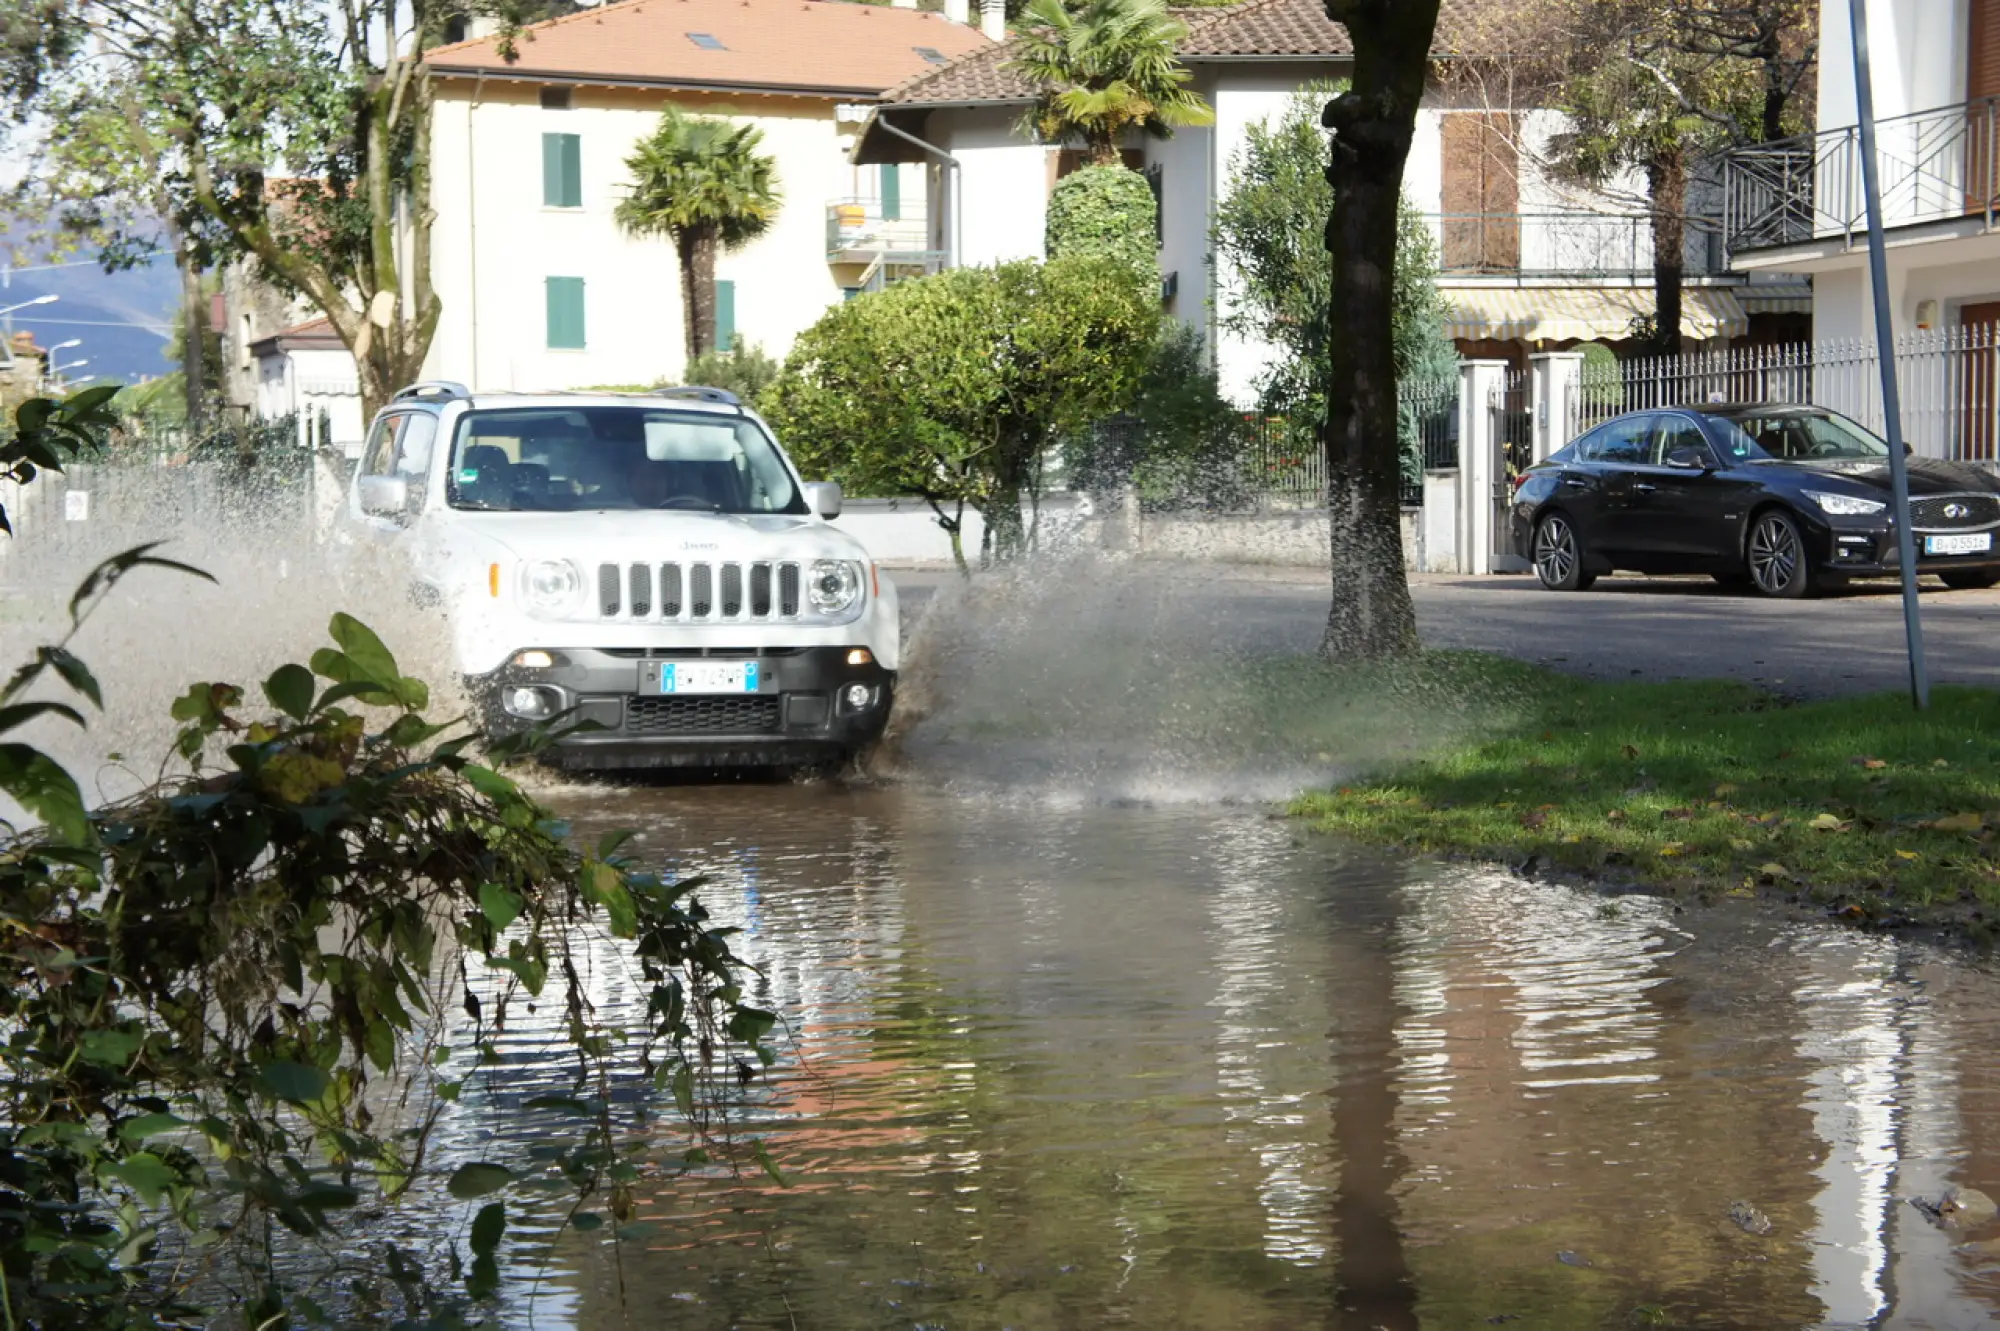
540, 287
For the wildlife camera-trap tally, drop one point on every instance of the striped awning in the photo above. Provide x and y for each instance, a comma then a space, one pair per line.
1585, 314
1776, 298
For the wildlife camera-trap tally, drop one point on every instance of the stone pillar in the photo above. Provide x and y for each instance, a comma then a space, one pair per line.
1555, 384
958, 11
904, 4
1480, 473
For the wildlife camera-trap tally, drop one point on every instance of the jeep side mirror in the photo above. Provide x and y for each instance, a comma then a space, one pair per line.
824, 497
384, 496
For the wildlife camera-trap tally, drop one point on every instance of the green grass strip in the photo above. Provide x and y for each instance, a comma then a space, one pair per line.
1708, 785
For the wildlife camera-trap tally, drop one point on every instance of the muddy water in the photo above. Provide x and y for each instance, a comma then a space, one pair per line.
1173, 1067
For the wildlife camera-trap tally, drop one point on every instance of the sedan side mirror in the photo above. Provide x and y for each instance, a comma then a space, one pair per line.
1689, 459
384, 496
824, 497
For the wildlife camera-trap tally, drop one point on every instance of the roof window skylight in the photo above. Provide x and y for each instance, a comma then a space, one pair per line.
707, 41
930, 53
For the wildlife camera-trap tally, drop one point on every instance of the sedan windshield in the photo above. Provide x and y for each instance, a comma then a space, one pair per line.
1795, 435
566, 459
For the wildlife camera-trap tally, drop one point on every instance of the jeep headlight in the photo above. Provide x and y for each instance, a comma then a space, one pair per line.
551, 585
834, 586
1845, 506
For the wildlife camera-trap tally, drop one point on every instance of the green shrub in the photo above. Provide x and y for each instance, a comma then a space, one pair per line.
1106, 211
743, 370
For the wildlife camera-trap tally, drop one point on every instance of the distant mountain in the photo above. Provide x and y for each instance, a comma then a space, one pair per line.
123, 318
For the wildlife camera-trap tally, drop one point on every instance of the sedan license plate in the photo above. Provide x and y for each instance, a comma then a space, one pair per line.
708, 677
1972, 543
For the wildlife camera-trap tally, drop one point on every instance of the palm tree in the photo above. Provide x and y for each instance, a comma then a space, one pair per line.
1105, 70
702, 182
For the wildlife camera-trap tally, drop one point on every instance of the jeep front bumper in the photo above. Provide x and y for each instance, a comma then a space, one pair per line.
811, 705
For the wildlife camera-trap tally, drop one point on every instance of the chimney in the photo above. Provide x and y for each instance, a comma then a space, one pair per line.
904, 4
958, 11
993, 19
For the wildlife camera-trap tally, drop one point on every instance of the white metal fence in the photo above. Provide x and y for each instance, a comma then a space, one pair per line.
1947, 377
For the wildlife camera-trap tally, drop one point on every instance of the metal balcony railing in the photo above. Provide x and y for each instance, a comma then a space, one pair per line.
858, 231
1935, 166
1574, 245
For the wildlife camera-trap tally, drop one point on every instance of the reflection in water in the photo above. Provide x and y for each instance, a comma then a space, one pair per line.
1167, 1068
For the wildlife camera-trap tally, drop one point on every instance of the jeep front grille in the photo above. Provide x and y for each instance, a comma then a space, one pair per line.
693, 593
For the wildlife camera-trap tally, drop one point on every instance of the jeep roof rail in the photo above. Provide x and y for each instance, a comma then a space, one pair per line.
431, 388
698, 393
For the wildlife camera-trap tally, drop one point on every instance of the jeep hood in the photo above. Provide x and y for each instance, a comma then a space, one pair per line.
618, 535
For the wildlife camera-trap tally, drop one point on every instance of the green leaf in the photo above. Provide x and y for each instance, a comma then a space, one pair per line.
585, 1221
473, 1181
145, 1174
684, 1090
749, 1025
487, 1227
38, 784
149, 1125
763, 1156
490, 783
20, 713
502, 906
605, 886
290, 690
110, 1048
483, 1280
638, 1229
380, 1041
363, 649
75, 674
297, 1083
410, 730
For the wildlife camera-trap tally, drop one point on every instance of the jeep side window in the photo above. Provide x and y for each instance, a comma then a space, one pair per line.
380, 449
413, 446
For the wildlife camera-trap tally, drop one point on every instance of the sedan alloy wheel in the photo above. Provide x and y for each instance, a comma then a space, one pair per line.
1559, 556
1779, 565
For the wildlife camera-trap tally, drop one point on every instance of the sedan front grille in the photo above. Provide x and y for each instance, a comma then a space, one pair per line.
694, 593
723, 714
1951, 512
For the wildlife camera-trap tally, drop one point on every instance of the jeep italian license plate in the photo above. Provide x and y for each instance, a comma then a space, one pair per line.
1972, 543
708, 677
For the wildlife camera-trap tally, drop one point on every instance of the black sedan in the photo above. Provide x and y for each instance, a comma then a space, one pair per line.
1783, 499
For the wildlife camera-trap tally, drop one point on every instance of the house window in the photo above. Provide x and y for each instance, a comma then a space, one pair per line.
707, 41
555, 99
562, 171
725, 316
892, 192
565, 297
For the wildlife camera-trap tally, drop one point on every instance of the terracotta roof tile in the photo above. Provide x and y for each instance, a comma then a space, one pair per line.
821, 46
1254, 28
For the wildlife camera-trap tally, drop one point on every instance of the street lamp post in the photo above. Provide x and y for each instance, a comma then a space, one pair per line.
55, 371
7, 313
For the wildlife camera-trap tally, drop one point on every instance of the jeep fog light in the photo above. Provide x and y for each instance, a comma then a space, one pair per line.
857, 697
835, 585
531, 704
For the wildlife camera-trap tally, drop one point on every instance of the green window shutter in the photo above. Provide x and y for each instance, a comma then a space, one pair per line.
565, 313
562, 171
725, 316
892, 192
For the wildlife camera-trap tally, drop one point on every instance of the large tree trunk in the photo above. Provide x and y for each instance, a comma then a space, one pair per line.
194, 338
697, 254
1373, 124
1006, 534
1103, 152
1666, 182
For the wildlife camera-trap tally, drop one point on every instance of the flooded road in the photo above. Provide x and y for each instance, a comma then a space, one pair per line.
1176, 1067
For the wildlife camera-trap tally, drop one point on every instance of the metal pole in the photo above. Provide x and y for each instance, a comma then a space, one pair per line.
1885, 356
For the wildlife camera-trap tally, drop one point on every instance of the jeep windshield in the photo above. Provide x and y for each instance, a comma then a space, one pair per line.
587, 459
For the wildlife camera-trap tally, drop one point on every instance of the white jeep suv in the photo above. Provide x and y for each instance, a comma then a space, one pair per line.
650, 563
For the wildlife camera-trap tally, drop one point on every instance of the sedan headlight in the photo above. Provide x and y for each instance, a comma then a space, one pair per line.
1845, 506
551, 585
835, 585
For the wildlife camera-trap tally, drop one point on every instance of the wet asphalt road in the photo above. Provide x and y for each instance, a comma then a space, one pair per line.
1626, 627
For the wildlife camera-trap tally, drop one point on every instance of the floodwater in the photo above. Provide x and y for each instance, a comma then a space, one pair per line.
1074, 1066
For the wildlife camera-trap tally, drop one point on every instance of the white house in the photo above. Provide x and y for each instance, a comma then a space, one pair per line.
307, 371
1528, 263
539, 286
1798, 205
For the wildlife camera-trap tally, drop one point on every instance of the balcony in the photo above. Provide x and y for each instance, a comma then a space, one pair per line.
1936, 167
860, 231
1574, 247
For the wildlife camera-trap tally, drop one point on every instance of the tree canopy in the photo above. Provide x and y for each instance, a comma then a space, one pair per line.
702, 182
954, 388
1106, 70
1108, 211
